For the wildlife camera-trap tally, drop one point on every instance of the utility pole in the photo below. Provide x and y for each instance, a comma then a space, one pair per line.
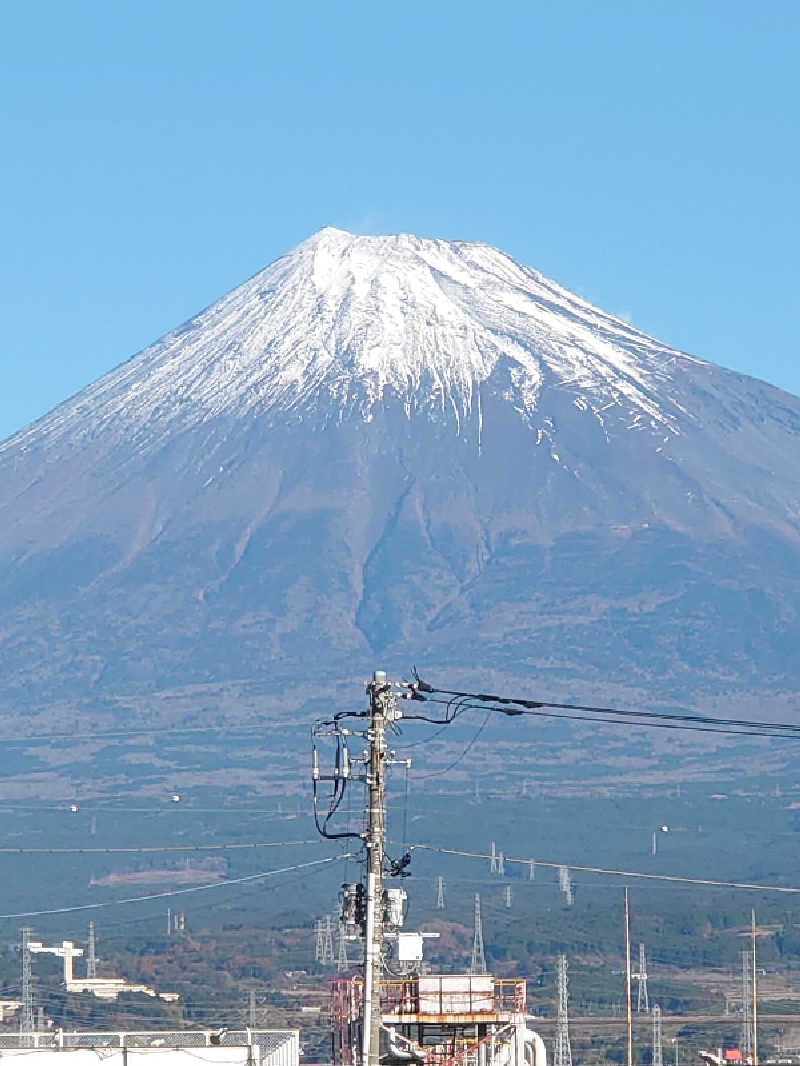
26, 1014
755, 987
478, 963
507, 897
562, 1053
251, 1009
628, 1016
91, 955
642, 999
531, 871
381, 706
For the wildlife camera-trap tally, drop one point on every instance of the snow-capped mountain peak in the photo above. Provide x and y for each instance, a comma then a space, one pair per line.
345, 322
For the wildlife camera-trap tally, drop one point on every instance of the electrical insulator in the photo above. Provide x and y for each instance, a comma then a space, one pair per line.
394, 900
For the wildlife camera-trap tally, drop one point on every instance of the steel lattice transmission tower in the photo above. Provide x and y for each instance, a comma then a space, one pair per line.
342, 961
565, 884
747, 1005
658, 1040
26, 1025
91, 955
440, 893
642, 1000
319, 946
562, 1052
478, 963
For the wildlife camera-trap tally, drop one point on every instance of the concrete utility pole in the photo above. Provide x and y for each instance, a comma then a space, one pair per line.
381, 706
628, 1015
755, 988
642, 999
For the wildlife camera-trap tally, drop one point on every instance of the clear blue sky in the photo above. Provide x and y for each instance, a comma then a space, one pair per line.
155, 154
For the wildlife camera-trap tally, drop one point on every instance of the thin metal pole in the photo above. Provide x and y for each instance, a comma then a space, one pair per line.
755, 995
628, 1015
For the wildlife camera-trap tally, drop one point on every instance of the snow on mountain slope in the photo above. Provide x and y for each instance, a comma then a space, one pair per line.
420, 448
341, 321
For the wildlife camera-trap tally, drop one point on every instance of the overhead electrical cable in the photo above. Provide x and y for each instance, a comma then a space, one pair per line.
177, 891
611, 872
147, 850
456, 702
470, 744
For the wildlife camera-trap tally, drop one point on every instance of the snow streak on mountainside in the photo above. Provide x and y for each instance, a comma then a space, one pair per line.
334, 326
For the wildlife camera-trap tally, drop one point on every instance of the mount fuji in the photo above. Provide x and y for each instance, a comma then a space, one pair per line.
381, 450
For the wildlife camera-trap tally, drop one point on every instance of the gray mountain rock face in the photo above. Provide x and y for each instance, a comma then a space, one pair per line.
383, 450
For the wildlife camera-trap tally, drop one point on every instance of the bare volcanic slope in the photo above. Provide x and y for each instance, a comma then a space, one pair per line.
401, 449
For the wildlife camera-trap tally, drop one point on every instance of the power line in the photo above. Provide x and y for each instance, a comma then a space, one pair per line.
111, 734
675, 878
177, 891
470, 744
148, 849
456, 702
